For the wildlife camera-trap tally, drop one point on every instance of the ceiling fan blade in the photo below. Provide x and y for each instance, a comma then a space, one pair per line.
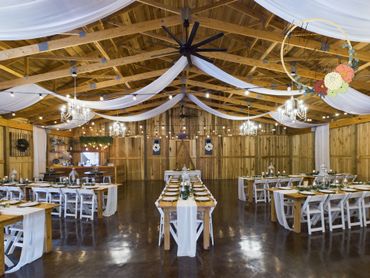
172, 35
202, 57
193, 33
189, 59
168, 53
211, 49
208, 40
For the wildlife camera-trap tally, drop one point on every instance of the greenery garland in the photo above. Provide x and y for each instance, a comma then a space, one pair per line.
96, 140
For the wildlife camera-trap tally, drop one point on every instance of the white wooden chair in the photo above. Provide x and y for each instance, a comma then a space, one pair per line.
15, 193
270, 183
4, 193
107, 179
334, 206
366, 208
55, 196
88, 203
173, 225
295, 181
354, 209
351, 178
70, 197
259, 192
40, 194
313, 211
283, 182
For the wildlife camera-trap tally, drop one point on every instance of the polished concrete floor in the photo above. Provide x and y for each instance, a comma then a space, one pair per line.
247, 244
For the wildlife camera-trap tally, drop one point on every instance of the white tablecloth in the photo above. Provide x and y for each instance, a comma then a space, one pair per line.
186, 227
279, 206
33, 234
241, 191
191, 173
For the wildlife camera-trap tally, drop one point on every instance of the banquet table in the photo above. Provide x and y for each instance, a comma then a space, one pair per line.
110, 189
202, 206
6, 220
245, 191
169, 173
298, 200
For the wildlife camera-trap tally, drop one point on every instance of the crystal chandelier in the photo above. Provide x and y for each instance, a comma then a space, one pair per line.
293, 109
117, 129
73, 110
248, 128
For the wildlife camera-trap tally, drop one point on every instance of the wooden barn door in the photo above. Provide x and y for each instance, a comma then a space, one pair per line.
183, 154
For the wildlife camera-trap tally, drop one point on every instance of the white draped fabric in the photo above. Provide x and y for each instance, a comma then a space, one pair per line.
241, 191
71, 124
352, 101
219, 74
20, 97
322, 146
352, 16
39, 151
29, 19
284, 120
148, 114
279, 207
186, 227
33, 234
111, 206
141, 95
205, 107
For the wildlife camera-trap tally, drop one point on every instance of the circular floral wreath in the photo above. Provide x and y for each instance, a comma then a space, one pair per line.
334, 82
208, 147
156, 147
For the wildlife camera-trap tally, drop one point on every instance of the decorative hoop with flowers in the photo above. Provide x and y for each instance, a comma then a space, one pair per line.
334, 82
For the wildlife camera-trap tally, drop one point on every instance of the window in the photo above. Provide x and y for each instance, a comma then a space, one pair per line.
89, 158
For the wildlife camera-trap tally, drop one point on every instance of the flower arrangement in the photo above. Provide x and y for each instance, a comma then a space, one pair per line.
334, 82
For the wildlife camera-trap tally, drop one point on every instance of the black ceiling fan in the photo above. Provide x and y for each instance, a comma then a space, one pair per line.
187, 48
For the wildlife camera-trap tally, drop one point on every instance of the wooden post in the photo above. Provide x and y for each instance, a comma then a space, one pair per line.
145, 147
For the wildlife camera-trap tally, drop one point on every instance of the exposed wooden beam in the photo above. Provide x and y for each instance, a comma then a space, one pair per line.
85, 68
88, 38
350, 121
276, 37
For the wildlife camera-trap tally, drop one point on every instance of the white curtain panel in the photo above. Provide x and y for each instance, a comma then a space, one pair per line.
148, 114
352, 101
352, 16
286, 121
33, 234
39, 151
29, 19
20, 97
322, 146
219, 74
141, 95
205, 107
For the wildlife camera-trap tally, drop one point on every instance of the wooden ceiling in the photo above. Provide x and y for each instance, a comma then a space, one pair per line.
127, 50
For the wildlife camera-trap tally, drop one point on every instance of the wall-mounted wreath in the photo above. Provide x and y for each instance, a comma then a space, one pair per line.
22, 145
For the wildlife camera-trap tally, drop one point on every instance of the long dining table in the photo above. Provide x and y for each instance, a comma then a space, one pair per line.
171, 206
245, 191
298, 200
6, 220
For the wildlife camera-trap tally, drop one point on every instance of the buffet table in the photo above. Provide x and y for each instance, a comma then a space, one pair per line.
176, 173
83, 171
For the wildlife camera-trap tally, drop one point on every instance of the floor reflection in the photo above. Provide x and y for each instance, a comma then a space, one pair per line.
247, 244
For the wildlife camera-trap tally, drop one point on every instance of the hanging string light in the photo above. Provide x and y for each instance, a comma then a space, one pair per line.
73, 110
117, 129
248, 128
